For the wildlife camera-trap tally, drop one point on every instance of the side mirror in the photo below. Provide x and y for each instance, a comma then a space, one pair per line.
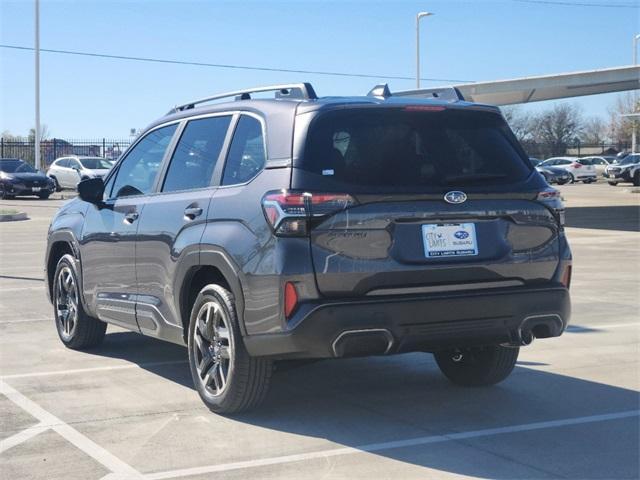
91, 190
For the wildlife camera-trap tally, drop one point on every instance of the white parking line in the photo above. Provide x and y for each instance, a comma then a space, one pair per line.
26, 320
22, 436
375, 447
604, 326
94, 369
95, 451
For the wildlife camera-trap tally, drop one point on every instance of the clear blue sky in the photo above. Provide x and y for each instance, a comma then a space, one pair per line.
473, 40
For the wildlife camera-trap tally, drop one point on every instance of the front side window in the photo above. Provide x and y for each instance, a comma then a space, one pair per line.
246, 154
196, 154
137, 172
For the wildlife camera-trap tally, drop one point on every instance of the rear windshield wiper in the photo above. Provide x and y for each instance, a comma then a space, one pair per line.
475, 177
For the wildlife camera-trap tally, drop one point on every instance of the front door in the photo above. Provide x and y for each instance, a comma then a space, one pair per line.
172, 224
108, 240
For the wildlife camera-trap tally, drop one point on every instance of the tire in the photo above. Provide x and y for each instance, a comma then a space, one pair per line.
636, 179
613, 184
226, 377
58, 188
562, 182
43, 196
476, 367
4, 195
573, 179
76, 329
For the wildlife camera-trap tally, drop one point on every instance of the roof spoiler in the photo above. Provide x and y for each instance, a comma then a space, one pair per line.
447, 94
303, 91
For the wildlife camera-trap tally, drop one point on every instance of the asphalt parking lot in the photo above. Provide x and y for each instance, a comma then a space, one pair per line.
127, 409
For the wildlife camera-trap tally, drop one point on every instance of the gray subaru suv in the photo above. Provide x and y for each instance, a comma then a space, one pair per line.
254, 230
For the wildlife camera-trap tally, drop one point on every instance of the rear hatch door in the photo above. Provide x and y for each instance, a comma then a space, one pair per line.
444, 200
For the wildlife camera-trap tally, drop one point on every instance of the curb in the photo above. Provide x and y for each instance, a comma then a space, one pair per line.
13, 217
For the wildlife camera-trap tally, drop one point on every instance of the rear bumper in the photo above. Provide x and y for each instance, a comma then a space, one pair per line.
585, 176
417, 323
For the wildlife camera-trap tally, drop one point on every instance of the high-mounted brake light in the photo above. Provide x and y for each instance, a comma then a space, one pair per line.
289, 213
424, 108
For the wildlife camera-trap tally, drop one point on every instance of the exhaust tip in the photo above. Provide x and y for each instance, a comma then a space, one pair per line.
361, 343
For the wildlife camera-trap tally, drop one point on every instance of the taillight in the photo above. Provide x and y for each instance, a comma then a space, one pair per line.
289, 213
576, 165
552, 198
290, 299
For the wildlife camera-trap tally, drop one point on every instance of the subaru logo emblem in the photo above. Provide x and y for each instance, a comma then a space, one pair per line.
461, 234
455, 197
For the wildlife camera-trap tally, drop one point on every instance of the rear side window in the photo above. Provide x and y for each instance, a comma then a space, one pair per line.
63, 163
410, 149
196, 154
246, 154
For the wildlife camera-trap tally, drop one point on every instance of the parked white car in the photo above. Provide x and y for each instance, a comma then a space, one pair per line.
600, 163
578, 171
67, 172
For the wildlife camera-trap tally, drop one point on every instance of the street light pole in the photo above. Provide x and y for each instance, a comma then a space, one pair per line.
418, 17
37, 51
635, 96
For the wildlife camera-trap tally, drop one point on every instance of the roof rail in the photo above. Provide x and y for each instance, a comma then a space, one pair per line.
447, 94
293, 90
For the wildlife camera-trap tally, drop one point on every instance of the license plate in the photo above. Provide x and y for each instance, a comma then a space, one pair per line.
449, 240
36, 189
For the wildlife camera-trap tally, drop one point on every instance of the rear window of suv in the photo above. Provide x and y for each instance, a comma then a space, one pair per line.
372, 148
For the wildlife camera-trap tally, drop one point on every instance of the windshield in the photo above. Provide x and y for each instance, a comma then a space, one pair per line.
96, 163
16, 166
629, 159
410, 148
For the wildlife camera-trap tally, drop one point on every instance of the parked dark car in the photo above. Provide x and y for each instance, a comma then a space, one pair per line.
19, 179
300, 227
554, 175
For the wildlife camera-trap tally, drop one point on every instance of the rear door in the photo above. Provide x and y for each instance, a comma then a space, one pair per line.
172, 224
444, 199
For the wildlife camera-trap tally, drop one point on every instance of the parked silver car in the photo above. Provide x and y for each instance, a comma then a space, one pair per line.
66, 172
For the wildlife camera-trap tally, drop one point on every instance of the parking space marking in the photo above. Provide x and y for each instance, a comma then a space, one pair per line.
88, 446
375, 447
22, 436
94, 369
604, 326
26, 320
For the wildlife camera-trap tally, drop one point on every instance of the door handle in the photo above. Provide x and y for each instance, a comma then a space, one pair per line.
131, 217
192, 212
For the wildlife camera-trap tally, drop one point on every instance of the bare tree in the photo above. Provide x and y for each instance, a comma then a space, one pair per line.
620, 127
557, 128
594, 131
519, 121
44, 133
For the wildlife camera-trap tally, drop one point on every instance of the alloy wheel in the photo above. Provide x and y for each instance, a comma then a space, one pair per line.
66, 302
213, 348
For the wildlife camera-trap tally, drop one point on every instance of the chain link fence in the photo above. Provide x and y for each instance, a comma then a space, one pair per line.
58, 147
